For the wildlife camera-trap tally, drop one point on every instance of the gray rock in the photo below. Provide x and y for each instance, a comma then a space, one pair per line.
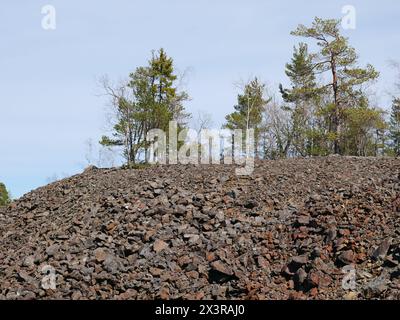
300, 276
382, 250
52, 250
29, 261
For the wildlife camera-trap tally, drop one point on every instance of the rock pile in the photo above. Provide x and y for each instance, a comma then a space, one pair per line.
321, 228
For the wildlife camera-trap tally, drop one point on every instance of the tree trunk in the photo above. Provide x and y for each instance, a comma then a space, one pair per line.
336, 115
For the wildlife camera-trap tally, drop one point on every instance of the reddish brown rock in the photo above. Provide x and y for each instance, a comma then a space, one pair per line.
159, 245
347, 257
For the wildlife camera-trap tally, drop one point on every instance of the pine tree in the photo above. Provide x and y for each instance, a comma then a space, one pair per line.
150, 100
394, 126
156, 93
339, 59
362, 127
4, 195
301, 74
301, 99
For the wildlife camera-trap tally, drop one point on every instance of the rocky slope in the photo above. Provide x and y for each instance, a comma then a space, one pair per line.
297, 229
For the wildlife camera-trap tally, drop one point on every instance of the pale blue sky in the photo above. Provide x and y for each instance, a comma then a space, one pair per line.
49, 98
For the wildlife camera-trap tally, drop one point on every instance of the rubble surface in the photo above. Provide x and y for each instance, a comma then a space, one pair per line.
318, 228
